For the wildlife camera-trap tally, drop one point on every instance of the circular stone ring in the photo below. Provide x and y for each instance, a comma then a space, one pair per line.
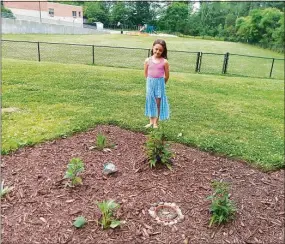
166, 213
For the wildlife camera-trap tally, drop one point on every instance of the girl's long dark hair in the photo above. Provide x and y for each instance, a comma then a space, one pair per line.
163, 44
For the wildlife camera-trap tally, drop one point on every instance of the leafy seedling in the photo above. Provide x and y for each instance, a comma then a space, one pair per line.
222, 209
157, 149
107, 219
74, 167
102, 143
79, 222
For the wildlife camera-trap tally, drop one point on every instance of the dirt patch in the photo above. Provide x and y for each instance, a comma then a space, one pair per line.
9, 110
41, 210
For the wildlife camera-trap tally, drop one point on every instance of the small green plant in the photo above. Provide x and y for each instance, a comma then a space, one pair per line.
101, 141
222, 209
107, 219
79, 222
74, 167
5, 190
157, 149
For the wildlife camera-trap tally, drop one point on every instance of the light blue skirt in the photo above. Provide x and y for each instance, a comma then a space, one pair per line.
155, 88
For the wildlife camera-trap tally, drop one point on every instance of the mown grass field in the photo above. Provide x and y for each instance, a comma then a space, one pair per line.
131, 58
173, 43
235, 116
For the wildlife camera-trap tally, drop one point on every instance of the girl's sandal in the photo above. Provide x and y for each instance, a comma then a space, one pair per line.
155, 126
148, 125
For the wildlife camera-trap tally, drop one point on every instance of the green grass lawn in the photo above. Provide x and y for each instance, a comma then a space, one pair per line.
133, 58
235, 116
173, 43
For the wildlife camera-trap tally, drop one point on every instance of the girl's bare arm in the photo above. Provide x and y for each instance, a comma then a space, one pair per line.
145, 67
166, 69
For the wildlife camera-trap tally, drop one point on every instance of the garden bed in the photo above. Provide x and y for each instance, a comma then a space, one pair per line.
41, 210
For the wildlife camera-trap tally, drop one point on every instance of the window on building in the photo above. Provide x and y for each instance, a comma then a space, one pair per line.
74, 14
51, 12
79, 14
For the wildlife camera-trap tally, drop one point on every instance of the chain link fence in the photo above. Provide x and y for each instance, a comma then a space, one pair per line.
65, 53
261, 66
180, 61
211, 63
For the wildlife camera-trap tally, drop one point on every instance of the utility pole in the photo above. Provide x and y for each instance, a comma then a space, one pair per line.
40, 11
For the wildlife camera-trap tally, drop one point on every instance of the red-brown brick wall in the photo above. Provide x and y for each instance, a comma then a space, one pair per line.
26, 5
62, 10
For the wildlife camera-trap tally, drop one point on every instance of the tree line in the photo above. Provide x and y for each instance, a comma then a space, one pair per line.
257, 23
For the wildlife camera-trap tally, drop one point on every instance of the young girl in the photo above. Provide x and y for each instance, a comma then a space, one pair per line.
156, 71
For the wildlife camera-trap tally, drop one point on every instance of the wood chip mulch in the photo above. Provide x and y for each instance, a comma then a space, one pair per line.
41, 210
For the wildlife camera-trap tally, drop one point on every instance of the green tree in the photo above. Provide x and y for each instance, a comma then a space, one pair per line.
243, 26
268, 24
278, 35
139, 13
5, 12
176, 16
157, 9
212, 16
230, 20
194, 25
260, 27
96, 12
119, 13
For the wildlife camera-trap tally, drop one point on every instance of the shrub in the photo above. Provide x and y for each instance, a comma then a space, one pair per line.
157, 149
222, 208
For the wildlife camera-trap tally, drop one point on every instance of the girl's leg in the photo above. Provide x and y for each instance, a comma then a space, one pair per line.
151, 122
155, 122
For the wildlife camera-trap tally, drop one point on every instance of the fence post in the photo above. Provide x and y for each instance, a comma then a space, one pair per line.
148, 53
197, 62
39, 54
227, 61
225, 64
271, 67
223, 68
93, 58
200, 62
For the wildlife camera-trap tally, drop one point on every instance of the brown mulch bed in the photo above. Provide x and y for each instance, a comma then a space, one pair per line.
41, 210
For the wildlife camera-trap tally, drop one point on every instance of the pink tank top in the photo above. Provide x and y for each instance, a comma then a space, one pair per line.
155, 70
